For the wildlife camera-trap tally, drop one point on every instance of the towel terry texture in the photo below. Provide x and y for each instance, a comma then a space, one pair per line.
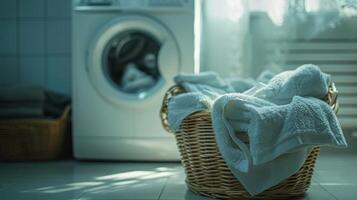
201, 89
274, 131
31, 102
283, 118
307, 80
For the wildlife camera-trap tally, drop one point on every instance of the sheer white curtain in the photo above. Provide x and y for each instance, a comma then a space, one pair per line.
226, 26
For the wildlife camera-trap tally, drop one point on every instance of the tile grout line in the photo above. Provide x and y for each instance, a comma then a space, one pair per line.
163, 188
17, 36
323, 188
45, 44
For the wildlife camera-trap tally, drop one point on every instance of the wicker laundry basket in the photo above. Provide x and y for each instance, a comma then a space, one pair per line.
206, 171
34, 139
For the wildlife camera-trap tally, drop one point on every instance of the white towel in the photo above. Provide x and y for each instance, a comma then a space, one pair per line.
241, 84
237, 154
185, 104
307, 80
273, 132
202, 90
265, 76
134, 80
206, 83
278, 122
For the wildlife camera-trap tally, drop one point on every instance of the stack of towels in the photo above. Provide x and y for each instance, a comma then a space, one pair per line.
31, 102
283, 116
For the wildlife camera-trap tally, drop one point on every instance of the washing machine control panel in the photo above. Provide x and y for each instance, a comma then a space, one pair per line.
134, 5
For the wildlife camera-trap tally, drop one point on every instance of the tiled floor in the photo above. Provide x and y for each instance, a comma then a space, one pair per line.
335, 177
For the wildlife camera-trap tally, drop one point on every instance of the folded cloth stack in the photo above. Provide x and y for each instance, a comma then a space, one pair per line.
283, 118
31, 102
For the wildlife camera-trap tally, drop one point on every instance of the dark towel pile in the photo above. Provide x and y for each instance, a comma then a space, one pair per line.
31, 102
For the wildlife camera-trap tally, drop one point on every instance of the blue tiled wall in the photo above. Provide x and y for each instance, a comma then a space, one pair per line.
35, 43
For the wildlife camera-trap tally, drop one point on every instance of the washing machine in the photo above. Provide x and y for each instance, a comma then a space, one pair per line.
125, 54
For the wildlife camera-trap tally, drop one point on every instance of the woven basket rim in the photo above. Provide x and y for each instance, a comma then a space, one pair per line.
331, 98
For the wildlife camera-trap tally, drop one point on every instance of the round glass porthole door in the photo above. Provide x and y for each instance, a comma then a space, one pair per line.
133, 59
130, 62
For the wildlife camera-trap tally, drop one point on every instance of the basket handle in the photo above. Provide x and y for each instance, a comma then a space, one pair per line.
331, 97
172, 91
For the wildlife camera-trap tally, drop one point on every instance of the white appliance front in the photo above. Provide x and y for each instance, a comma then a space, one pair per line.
112, 121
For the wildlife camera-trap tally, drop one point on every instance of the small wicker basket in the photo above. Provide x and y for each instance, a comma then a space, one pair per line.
206, 171
33, 139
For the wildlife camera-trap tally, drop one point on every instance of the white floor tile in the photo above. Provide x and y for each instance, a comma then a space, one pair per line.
316, 192
342, 192
95, 170
336, 161
175, 188
40, 189
124, 180
193, 196
129, 189
14, 171
334, 178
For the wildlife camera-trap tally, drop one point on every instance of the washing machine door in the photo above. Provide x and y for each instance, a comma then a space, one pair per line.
133, 60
